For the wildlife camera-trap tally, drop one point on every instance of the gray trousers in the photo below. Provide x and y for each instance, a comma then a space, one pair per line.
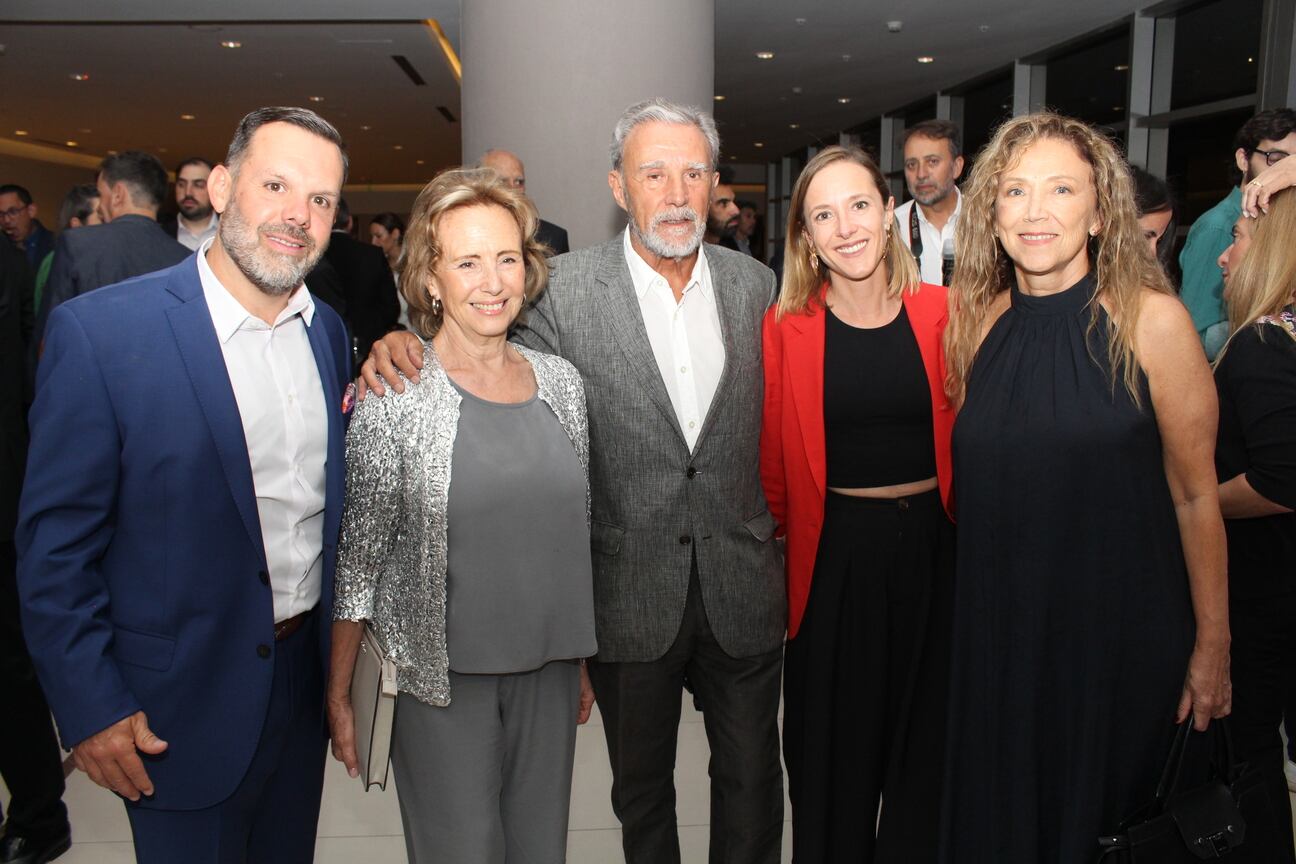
487, 779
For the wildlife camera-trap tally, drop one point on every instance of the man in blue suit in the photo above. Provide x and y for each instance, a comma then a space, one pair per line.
178, 524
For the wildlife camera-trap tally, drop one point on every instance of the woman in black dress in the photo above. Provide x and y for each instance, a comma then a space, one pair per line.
1256, 461
1090, 599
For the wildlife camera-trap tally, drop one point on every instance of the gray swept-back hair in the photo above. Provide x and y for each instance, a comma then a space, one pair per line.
663, 111
302, 118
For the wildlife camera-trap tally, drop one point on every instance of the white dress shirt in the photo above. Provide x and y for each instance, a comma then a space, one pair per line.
193, 241
685, 337
281, 404
933, 241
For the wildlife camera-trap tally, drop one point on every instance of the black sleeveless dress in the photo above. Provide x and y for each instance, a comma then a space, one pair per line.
1073, 621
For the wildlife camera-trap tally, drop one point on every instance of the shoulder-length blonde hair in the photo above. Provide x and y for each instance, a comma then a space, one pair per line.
801, 283
454, 189
1122, 264
1263, 284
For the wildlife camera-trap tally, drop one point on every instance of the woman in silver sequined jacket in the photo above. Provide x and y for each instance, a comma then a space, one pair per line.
465, 544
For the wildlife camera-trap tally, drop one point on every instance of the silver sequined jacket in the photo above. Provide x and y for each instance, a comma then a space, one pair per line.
391, 567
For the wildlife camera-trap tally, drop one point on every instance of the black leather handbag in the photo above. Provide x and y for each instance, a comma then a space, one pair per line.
1229, 817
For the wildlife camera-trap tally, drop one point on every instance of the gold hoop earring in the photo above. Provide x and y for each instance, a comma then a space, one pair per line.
814, 262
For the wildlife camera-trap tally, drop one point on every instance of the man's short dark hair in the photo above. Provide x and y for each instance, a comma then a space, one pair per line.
341, 214
141, 172
302, 118
744, 204
1272, 125
192, 160
78, 203
726, 175
937, 130
14, 189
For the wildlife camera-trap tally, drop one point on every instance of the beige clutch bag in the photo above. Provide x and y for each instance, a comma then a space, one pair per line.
373, 702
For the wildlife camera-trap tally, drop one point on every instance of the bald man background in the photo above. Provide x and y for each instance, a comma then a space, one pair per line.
510, 167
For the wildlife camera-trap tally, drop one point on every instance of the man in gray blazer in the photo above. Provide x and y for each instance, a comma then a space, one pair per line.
687, 579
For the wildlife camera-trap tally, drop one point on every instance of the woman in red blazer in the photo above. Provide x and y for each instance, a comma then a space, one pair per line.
855, 460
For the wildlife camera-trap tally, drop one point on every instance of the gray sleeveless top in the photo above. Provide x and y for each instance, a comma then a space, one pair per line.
519, 584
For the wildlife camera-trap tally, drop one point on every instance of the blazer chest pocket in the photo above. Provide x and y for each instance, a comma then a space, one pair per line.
143, 649
761, 526
605, 538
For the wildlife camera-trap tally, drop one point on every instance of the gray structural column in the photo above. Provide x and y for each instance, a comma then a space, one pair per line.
549, 80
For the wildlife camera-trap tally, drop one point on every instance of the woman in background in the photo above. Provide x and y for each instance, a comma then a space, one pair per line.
1157, 218
387, 232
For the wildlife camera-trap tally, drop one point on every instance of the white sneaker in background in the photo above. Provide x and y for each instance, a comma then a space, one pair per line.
1289, 768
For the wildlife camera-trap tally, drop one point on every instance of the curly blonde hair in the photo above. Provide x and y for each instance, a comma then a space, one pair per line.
1264, 283
1122, 264
801, 283
454, 189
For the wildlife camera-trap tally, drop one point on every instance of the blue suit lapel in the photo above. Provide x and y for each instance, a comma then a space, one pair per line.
199, 349
335, 477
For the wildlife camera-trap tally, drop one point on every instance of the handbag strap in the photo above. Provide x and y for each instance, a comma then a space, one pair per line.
1173, 768
1225, 762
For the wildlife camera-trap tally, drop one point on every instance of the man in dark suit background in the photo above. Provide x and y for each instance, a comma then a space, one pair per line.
370, 307
132, 185
36, 827
178, 525
513, 172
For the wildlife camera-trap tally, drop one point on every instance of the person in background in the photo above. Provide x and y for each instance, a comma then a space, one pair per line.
745, 233
364, 281
856, 469
511, 169
933, 163
387, 232
1255, 459
479, 587
195, 220
1156, 215
1263, 141
19, 223
1091, 604
80, 207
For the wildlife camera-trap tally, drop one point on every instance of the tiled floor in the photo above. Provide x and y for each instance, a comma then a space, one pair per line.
355, 826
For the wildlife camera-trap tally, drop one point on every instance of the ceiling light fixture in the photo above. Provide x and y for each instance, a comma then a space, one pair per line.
398, 146
187, 117
764, 55
84, 131
794, 125
418, 161
800, 20
231, 43
315, 98
845, 100
365, 128
70, 143
925, 59
759, 144
21, 133
80, 76
1121, 67
796, 90
718, 97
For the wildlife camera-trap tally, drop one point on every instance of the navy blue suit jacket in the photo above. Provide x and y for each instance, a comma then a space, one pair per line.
140, 550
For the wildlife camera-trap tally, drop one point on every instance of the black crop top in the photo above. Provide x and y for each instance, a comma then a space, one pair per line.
877, 405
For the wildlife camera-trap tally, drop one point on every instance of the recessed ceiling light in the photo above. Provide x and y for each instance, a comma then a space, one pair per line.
800, 20
162, 149
984, 28
315, 98
84, 131
398, 146
796, 90
21, 133
733, 158
845, 100
187, 117
80, 76
1122, 67
112, 152
719, 97
1118, 107
846, 58
418, 161
1250, 59
926, 59
759, 144
70, 143
764, 55
794, 125
365, 128
231, 43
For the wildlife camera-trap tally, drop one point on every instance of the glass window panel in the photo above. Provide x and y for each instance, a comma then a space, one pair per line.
1215, 52
1092, 82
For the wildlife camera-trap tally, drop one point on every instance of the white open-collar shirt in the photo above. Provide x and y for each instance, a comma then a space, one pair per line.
685, 336
281, 405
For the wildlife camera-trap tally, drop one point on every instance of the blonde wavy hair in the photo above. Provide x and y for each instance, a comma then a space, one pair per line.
1264, 283
801, 284
454, 189
1119, 256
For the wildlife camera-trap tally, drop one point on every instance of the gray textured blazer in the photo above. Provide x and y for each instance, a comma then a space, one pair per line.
654, 504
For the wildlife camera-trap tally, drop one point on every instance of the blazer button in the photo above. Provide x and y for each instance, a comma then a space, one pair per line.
264, 577
691, 472
263, 651
685, 540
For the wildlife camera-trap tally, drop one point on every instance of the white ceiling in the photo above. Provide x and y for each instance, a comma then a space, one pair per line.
149, 63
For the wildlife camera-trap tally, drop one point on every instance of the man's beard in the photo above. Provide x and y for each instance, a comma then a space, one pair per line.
660, 246
940, 193
272, 273
194, 211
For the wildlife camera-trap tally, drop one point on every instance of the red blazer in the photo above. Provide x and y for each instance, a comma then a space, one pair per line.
794, 465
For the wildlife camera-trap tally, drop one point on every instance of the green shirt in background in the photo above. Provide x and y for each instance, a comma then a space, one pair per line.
42, 276
1203, 284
